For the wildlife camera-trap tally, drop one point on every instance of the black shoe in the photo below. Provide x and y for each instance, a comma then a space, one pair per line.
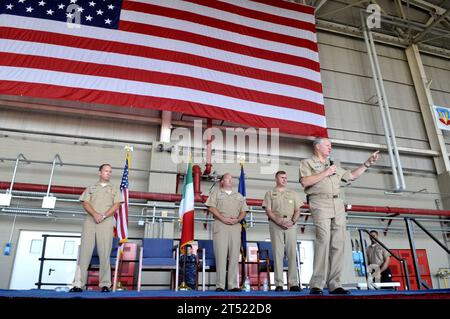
105, 289
278, 288
76, 289
294, 288
220, 289
315, 291
340, 291
235, 290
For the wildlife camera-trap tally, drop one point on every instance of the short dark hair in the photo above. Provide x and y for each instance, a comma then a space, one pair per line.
103, 165
374, 231
280, 173
188, 246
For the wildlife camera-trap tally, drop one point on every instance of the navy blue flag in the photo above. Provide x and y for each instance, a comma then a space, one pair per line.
241, 189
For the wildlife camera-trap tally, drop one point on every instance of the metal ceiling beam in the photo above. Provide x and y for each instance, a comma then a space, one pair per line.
321, 3
400, 9
435, 136
342, 9
435, 38
343, 29
431, 26
414, 25
425, 5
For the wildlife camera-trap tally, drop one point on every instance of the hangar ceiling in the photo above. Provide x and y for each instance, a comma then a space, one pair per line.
426, 23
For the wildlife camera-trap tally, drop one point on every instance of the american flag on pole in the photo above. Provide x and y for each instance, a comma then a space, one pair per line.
250, 62
121, 215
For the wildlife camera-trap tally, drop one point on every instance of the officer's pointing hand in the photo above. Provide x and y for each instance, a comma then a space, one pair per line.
374, 157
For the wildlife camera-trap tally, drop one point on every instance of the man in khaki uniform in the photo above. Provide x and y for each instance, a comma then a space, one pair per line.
378, 260
100, 201
321, 179
228, 208
283, 210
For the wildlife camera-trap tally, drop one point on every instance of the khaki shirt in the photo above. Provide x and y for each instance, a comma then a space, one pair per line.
283, 204
377, 254
228, 205
329, 185
101, 197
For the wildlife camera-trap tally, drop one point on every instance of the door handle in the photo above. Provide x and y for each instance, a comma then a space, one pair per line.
50, 271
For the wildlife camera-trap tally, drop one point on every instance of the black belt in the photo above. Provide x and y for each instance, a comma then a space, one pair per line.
324, 196
284, 216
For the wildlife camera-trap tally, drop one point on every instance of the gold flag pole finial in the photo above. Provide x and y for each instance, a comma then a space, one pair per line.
241, 159
128, 148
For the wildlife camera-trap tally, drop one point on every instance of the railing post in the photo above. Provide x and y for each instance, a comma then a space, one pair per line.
299, 265
42, 259
405, 270
363, 249
413, 252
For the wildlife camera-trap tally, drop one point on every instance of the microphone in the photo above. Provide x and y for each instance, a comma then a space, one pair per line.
331, 159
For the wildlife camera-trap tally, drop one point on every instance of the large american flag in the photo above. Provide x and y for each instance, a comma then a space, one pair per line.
121, 215
250, 62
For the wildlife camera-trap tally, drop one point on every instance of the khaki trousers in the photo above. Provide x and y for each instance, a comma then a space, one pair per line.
284, 239
102, 235
227, 245
329, 244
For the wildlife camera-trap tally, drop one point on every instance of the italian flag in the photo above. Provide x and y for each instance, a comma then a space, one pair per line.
186, 211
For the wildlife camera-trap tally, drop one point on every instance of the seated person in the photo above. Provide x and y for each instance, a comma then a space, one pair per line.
378, 259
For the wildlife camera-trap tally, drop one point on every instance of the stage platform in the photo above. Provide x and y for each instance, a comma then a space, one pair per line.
200, 295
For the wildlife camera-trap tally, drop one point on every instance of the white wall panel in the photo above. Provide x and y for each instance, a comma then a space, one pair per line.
77, 125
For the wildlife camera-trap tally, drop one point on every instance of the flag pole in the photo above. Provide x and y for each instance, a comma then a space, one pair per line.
117, 284
243, 270
183, 286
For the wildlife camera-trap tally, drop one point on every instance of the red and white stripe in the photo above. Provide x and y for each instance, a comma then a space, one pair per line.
121, 218
250, 62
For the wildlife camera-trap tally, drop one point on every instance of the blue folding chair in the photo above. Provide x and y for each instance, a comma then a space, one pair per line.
95, 260
266, 262
206, 260
157, 254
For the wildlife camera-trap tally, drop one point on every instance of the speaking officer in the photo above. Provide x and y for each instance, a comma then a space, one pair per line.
283, 210
100, 201
228, 208
321, 179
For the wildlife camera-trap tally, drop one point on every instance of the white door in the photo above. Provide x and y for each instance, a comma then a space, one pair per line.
54, 272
